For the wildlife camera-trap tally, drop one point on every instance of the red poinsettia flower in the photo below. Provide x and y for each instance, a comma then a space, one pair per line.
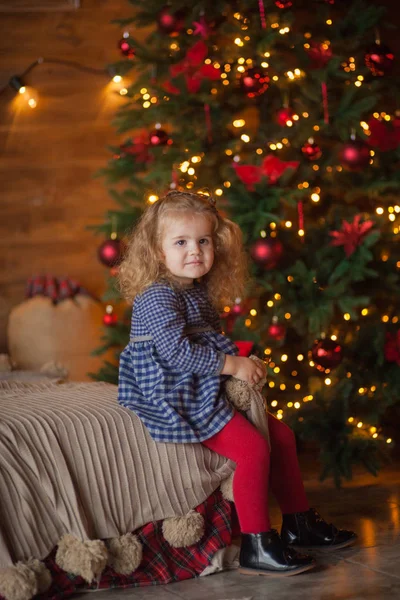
272, 168
194, 69
392, 347
351, 234
384, 136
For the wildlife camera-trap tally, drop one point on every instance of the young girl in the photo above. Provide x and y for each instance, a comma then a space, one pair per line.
183, 262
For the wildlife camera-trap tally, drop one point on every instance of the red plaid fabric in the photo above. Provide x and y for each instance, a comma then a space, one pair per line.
56, 288
161, 563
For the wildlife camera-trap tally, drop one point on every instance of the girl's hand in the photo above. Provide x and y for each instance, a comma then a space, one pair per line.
244, 368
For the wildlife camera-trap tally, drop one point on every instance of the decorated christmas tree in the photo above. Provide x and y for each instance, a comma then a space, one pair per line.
285, 112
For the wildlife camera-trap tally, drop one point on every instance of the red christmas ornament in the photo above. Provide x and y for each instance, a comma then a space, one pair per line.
355, 155
283, 3
311, 150
392, 347
158, 137
277, 331
266, 252
254, 82
110, 319
379, 59
169, 22
319, 54
284, 116
125, 47
110, 252
327, 353
385, 135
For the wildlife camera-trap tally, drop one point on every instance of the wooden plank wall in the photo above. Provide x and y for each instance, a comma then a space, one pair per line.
49, 154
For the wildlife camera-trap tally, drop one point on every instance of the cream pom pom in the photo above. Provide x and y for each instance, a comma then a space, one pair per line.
227, 488
24, 580
184, 531
239, 392
85, 558
124, 553
43, 575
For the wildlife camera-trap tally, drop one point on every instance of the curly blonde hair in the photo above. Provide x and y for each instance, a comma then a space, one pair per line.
142, 264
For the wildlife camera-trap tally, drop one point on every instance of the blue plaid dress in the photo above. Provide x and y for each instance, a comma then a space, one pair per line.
171, 378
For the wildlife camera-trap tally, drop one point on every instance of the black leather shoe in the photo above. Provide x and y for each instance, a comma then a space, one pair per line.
309, 530
265, 554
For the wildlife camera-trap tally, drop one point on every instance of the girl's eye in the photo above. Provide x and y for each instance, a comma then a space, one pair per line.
180, 242
204, 241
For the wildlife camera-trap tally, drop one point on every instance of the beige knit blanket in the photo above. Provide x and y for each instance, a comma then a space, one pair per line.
72, 460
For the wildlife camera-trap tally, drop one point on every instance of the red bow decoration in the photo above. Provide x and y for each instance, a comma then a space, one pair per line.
351, 234
244, 347
272, 168
392, 347
384, 136
194, 69
139, 148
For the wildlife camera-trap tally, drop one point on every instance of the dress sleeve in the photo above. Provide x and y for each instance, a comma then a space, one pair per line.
161, 313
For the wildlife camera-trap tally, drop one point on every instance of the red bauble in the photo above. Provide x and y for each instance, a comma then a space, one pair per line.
110, 319
379, 59
277, 331
327, 353
110, 252
158, 137
283, 3
392, 347
284, 116
311, 150
355, 155
320, 54
266, 252
169, 22
254, 82
125, 47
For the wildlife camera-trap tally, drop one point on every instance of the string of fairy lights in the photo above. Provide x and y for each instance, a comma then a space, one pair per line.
230, 73
188, 167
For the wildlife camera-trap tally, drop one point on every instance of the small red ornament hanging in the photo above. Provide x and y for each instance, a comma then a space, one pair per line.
169, 22
125, 47
266, 252
319, 53
283, 3
284, 117
326, 353
110, 252
254, 82
158, 137
392, 347
110, 319
355, 155
311, 150
277, 331
379, 59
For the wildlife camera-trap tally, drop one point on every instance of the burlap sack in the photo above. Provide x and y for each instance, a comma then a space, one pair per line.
40, 332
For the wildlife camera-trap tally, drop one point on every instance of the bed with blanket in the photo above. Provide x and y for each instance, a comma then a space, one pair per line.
91, 500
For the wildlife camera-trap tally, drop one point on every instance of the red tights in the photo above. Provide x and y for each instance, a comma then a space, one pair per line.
257, 468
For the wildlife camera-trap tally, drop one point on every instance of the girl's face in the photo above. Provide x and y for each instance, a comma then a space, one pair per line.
187, 246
